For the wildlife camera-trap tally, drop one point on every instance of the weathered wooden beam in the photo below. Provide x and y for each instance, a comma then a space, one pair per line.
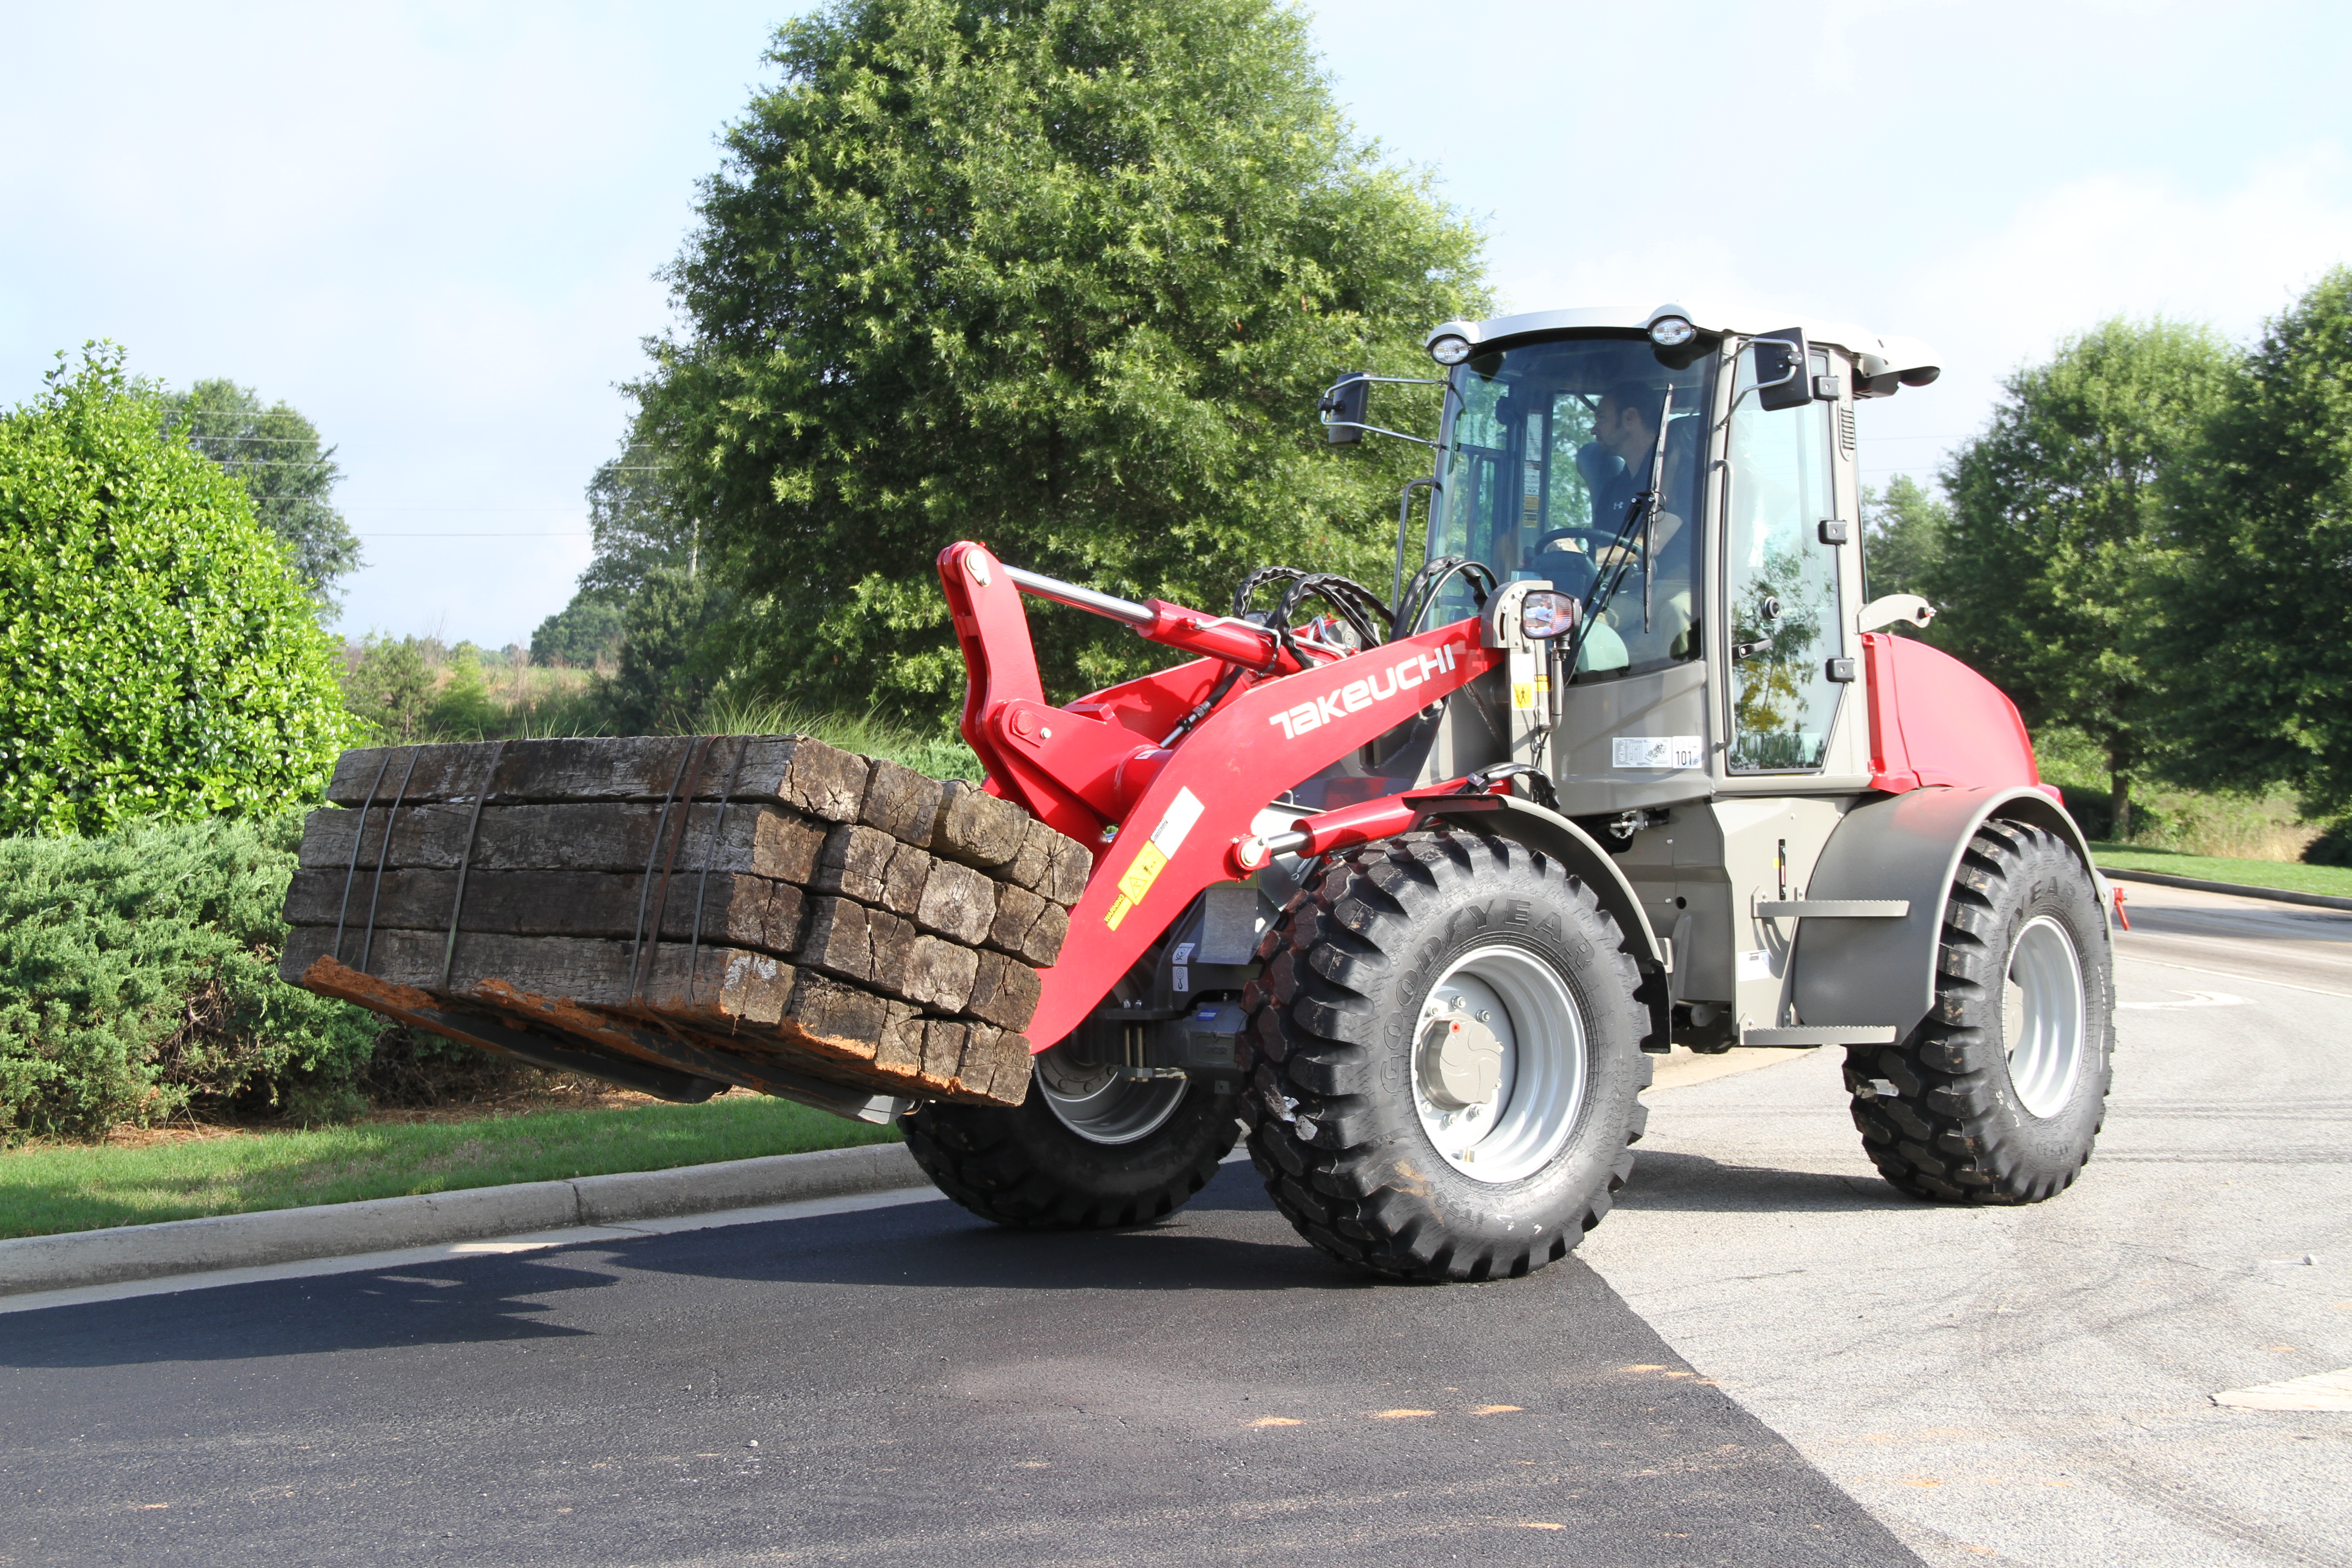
783, 770
737, 911
759, 841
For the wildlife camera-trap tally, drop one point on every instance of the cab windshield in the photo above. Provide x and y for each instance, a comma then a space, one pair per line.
1549, 446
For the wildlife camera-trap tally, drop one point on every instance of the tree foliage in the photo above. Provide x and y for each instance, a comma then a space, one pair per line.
157, 656
638, 520
1064, 276
2044, 583
275, 453
2258, 596
391, 687
1903, 530
673, 652
584, 633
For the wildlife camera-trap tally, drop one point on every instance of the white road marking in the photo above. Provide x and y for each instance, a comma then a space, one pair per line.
2194, 999
2324, 1391
2225, 975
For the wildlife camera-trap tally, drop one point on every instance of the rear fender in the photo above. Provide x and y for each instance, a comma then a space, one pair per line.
1879, 971
1507, 816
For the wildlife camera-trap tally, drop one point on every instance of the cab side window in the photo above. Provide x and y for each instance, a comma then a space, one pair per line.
1787, 622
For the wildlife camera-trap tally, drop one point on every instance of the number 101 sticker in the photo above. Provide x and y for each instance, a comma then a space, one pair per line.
1656, 752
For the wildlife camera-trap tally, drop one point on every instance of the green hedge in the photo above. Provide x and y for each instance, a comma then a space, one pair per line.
137, 972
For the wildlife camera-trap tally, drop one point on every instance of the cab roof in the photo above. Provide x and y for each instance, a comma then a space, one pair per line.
1907, 358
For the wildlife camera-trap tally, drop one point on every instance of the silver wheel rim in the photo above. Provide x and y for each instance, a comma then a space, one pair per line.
1101, 1107
1540, 1090
2041, 1016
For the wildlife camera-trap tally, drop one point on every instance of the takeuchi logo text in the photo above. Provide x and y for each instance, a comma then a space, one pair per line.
1359, 695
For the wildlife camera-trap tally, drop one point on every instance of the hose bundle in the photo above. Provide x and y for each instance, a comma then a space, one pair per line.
1364, 612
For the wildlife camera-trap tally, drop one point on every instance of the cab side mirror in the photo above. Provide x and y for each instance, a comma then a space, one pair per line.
1547, 613
1781, 361
1344, 406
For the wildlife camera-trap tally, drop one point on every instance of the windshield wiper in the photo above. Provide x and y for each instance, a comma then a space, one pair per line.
1643, 511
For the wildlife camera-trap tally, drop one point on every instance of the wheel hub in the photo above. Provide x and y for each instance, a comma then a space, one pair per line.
1461, 1061
2041, 1016
1499, 1064
1102, 1105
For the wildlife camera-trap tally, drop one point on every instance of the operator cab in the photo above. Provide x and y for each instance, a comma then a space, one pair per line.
1690, 477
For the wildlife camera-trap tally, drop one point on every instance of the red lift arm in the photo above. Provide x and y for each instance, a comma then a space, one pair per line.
1165, 822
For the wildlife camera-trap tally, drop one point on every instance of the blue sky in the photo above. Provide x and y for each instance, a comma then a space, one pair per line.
435, 228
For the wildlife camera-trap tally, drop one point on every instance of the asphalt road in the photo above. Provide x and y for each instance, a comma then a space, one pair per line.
920, 1387
1764, 1356
2035, 1385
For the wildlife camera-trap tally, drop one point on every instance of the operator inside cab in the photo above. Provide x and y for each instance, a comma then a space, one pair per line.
1615, 468
1550, 444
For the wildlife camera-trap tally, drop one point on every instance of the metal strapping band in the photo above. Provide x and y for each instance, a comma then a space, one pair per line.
701, 754
653, 853
465, 861
351, 871
383, 851
702, 887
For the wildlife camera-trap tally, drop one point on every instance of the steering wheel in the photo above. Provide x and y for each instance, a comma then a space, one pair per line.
1592, 539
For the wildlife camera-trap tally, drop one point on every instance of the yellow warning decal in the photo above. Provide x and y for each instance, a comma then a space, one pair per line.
1144, 870
1523, 695
1152, 859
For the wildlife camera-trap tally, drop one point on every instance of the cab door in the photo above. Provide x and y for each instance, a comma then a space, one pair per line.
1786, 653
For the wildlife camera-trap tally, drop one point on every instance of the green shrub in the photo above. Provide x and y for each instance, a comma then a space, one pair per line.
158, 656
137, 972
390, 687
464, 708
2333, 848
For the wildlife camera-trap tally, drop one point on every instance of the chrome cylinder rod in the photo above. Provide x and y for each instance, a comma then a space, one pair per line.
1079, 598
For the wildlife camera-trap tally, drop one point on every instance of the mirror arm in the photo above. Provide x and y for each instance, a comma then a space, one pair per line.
1377, 430
1404, 520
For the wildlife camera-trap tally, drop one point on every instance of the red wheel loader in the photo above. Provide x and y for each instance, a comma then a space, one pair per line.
1414, 891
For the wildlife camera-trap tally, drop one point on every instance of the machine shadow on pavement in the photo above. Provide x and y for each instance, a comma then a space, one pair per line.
1698, 1184
486, 1300
453, 1301
920, 1246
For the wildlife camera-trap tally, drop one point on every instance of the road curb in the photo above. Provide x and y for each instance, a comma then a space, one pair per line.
2242, 890
382, 1224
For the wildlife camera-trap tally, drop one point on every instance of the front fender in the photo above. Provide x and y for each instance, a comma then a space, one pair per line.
1907, 846
1507, 816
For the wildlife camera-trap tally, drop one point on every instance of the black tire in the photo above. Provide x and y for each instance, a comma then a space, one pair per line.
1330, 1046
1941, 1114
1026, 1168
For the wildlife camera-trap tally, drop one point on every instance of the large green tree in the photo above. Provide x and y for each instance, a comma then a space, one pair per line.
157, 656
673, 654
2046, 580
276, 453
642, 529
1063, 275
1902, 535
2258, 633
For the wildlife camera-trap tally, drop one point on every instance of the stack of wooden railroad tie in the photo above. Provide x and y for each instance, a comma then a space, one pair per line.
754, 910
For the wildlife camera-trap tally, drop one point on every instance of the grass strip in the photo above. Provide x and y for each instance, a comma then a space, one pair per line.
2293, 876
45, 1190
